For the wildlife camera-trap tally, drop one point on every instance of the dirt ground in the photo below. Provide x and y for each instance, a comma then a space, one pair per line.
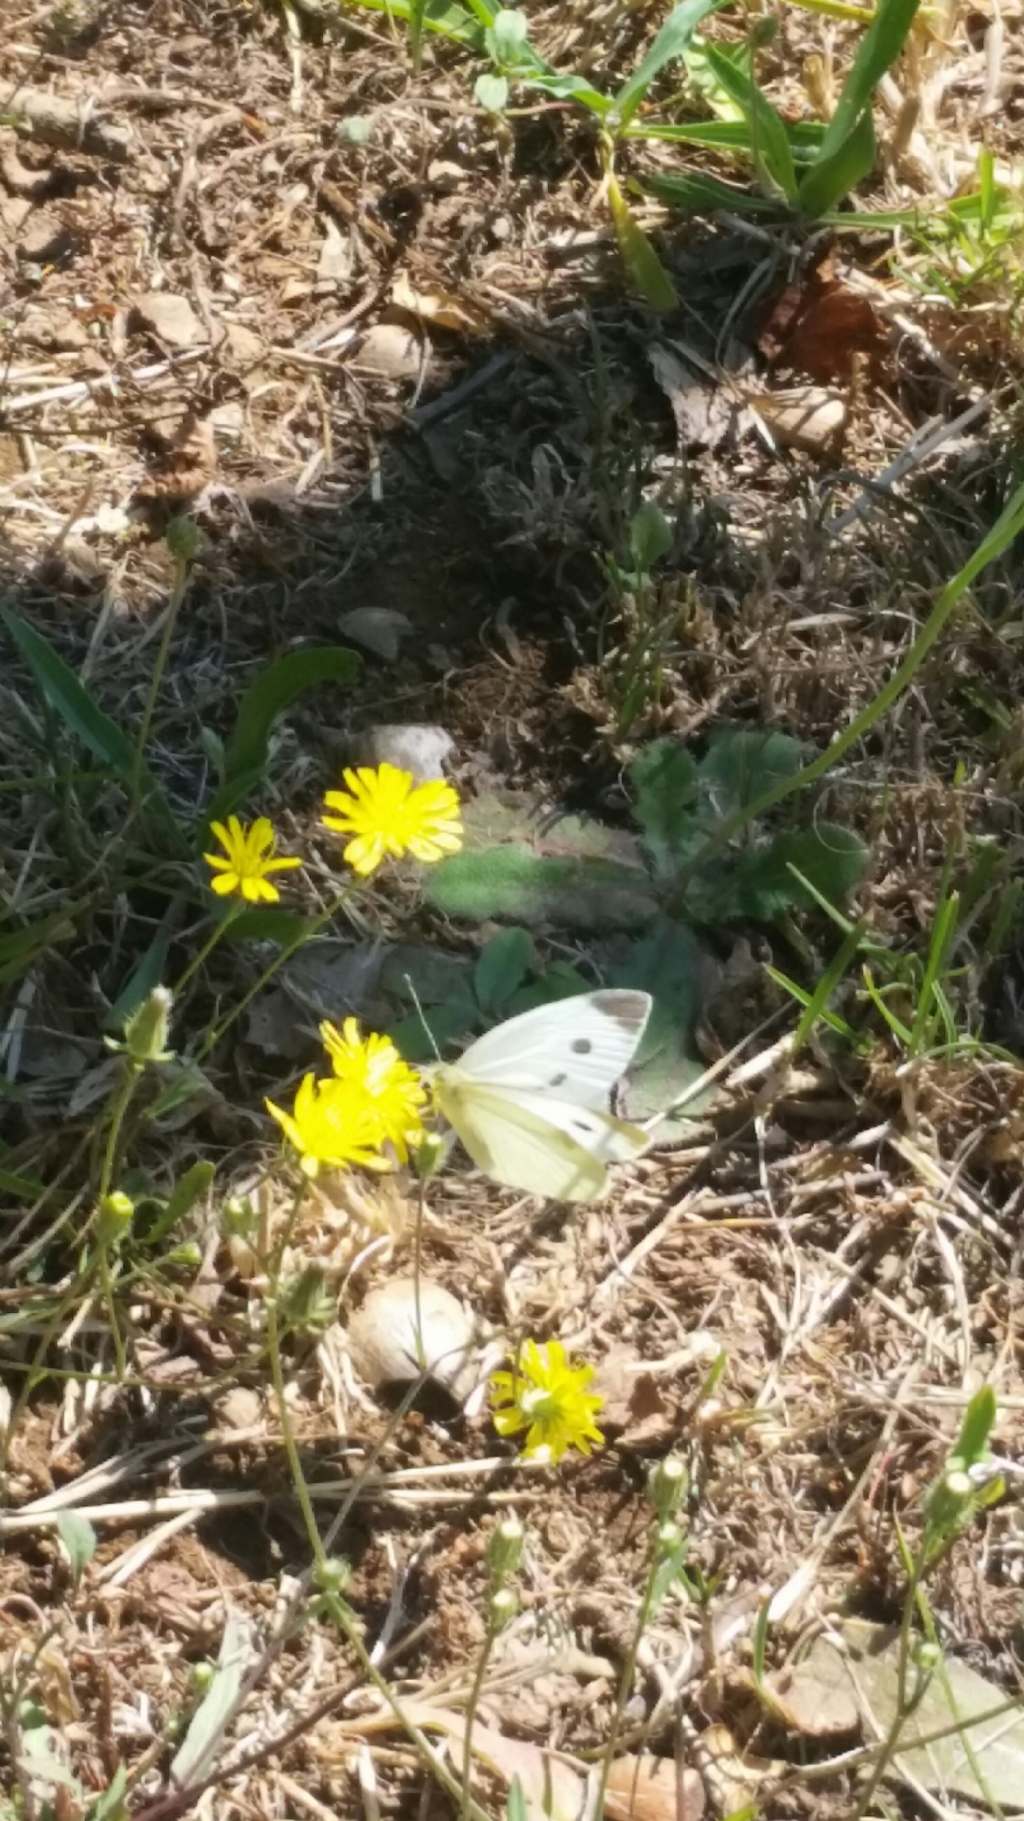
380, 349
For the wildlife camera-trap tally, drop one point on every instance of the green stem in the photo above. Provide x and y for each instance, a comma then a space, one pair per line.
471, 1707
1006, 528
284, 954
625, 1686
277, 1378
119, 1109
216, 935
179, 590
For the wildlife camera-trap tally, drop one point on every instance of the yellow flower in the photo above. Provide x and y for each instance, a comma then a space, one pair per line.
372, 1066
387, 813
246, 861
331, 1123
547, 1397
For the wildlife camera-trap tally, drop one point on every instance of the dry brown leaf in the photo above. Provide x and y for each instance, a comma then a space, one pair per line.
170, 318
815, 1697
438, 308
803, 417
822, 327
732, 1776
552, 1790
653, 1789
185, 465
705, 415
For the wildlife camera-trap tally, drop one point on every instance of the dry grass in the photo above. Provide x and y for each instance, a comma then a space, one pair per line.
846, 1235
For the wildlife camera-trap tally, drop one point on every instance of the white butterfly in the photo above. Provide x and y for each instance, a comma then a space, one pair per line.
530, 1099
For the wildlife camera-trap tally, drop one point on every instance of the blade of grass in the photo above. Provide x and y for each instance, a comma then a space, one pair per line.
770, 147
1006, 529
803, 998
671, 42
441, 16
638, 256
695, 194
943, 931
831, 178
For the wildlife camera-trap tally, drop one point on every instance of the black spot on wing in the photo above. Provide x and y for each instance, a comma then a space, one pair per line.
581, 1046
557, 1081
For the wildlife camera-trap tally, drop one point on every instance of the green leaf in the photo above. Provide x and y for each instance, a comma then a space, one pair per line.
978, 1422
420, 1042
663, 779
667, 963
507, 37
696, 194
149, 971
69, 699
670, 42
804, 136
878, 49
515, 1802
741, 763
526, 888
110, 1805
502, 967
441, 16
646, 272
773, 158
650, 535
23, 1188
189, 1189
491, 92
204, 1736
562, 981
564, 88
272, 692
830, 858
79, 1540
830, 179
268, 923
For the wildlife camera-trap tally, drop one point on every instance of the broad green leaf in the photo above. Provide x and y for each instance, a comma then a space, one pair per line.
564, 88
667, 963
420, 1039
770, 147
663, 779
831, 178
79, 1540
977, 1425
671, 42
70, 700
272, 692
440, 16
188, 1189
650, 535
642, 264
878, 49
562, 981
696, 194
491, 92
706, 83
507, 37
204, 1737
526, 888
269, 923
430, 975
743, 762
502, 967
762, 883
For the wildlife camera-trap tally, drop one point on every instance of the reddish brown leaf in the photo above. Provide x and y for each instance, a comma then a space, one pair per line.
822, 327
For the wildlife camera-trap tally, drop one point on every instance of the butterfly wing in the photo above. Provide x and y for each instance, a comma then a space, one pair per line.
534, 1143
576, 1048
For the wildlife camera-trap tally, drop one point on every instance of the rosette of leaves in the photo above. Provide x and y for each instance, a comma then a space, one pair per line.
587, 877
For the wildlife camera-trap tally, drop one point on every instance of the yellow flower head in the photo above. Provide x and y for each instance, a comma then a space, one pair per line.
386, 812
547, 1397
247, 859
372, 1066
331, 1123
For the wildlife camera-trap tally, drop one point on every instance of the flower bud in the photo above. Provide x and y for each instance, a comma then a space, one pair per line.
332, 1575
666, 1485
145, 1034
117, 1211
428, 1154
505, 1550
183, 538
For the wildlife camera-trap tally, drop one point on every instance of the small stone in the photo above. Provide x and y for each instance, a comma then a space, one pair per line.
415, 746
379, 629
396, 1329
170, 318
389, 350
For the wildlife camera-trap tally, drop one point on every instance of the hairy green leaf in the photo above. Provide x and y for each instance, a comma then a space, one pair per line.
502, 967
526, 888
663, 779
762, 883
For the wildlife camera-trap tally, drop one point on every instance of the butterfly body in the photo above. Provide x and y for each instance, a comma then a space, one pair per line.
530, 1099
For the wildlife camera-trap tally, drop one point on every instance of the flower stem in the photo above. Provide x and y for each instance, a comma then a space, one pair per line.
470, 1716
284, 954
217, 934
118, 1109
277, 1378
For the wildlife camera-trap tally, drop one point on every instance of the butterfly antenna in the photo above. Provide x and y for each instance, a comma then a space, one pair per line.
413, 994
